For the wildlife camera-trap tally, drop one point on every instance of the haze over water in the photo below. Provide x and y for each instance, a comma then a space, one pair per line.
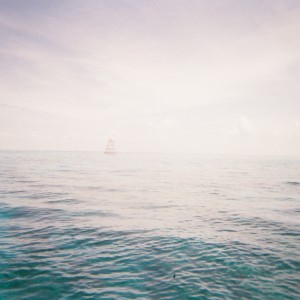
184, 76
82, 225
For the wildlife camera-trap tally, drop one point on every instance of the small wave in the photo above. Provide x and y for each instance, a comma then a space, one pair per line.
293, 182
159, 206
64, 201
28, 212
227, 230
99, 213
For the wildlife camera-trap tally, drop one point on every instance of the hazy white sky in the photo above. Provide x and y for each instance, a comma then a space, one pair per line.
207, 76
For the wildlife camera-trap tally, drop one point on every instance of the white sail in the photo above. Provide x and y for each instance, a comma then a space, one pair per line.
110, 148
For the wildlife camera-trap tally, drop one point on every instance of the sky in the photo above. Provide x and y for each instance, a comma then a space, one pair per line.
172, 76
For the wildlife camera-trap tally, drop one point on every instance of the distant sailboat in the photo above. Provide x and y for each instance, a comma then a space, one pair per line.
110, 148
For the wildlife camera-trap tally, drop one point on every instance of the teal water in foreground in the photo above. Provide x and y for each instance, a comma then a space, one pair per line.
80, 225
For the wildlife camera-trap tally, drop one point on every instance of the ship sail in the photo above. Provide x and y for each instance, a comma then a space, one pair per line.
110, 148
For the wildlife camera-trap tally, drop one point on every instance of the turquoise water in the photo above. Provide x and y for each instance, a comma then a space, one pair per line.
82, 225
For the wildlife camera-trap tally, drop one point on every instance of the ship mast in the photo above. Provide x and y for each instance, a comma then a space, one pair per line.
110, 148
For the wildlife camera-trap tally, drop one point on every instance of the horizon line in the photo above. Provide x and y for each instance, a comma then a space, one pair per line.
151, 152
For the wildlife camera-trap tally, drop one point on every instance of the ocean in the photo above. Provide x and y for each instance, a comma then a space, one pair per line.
84, 225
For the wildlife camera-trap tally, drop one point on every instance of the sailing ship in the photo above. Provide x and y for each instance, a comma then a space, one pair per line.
110, 148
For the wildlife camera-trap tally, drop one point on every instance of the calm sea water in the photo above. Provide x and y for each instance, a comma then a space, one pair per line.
80, 225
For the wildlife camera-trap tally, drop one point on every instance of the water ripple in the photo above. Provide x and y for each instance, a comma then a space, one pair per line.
141, 228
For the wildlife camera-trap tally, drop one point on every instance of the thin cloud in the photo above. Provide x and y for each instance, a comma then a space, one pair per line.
243, 127
119, 66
